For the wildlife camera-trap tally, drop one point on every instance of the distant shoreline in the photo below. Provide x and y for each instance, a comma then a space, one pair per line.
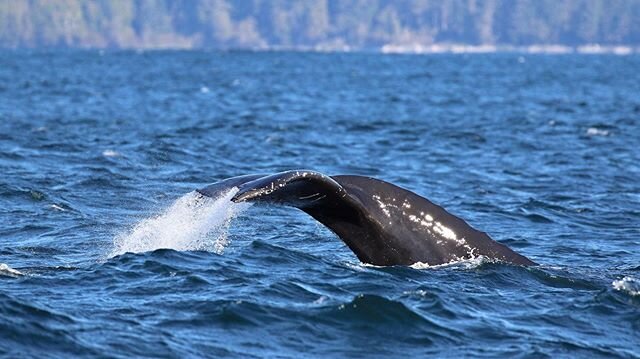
388, 49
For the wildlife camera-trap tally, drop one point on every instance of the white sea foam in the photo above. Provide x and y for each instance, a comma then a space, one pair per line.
470, 263
592, 131
110, 153
193, 222
5, 270
57, 208
629, 285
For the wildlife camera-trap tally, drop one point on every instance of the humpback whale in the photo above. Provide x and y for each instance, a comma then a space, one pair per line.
381, 223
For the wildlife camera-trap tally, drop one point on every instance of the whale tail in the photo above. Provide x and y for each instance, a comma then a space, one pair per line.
381, 223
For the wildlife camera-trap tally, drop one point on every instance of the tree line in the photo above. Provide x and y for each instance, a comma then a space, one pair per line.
320, 24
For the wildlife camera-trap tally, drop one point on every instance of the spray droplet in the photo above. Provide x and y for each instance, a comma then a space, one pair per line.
193, 222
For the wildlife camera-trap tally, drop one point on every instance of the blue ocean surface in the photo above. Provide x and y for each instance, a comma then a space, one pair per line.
106, 251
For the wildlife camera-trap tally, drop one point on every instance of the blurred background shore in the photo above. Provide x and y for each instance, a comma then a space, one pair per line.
417, 26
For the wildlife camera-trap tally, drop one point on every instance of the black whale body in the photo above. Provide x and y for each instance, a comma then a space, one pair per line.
381, 223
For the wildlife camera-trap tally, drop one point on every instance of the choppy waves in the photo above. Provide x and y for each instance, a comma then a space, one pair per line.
106, 251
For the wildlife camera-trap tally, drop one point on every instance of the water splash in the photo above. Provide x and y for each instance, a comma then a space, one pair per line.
628, 285
469, 263
193, 222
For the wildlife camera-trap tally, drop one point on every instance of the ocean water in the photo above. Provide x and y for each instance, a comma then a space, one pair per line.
106, 251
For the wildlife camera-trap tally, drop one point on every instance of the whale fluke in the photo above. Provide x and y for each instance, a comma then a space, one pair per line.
381, 223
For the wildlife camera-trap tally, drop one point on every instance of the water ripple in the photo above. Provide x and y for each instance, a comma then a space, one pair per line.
104, 250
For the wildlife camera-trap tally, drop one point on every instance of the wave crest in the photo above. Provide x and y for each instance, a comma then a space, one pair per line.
5, 270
